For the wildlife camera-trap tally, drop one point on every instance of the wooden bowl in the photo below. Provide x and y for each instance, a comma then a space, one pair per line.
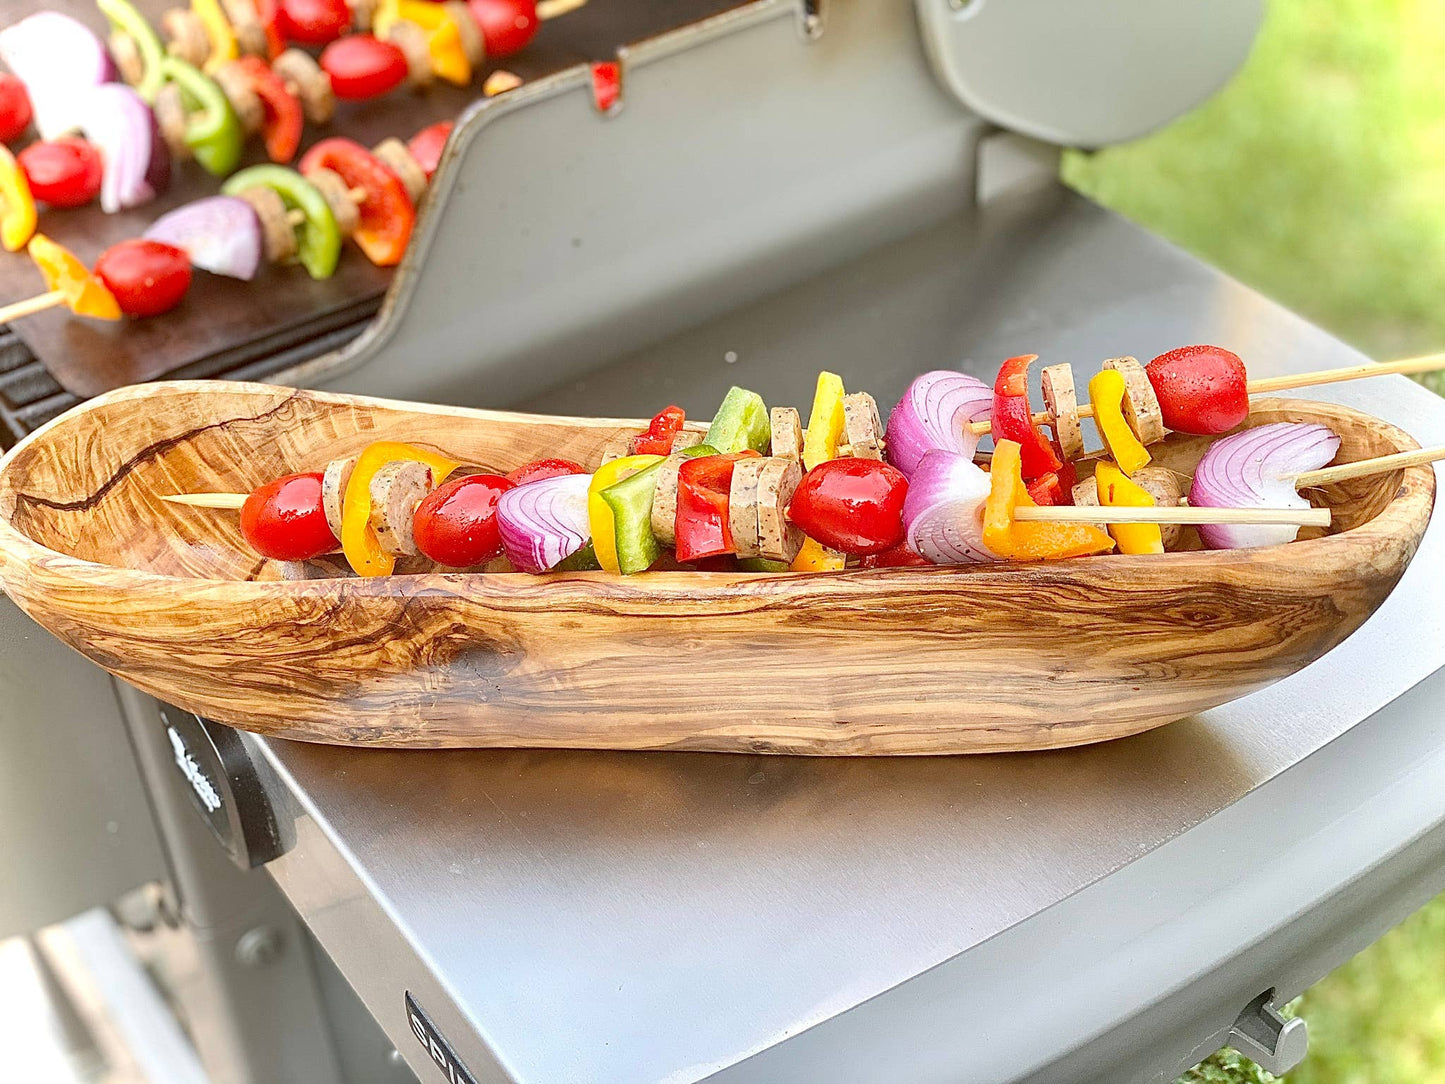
931, 660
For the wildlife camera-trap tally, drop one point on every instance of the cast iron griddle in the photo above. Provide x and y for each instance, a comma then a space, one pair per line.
223, 316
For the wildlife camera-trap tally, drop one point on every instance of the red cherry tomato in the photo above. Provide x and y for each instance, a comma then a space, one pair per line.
544, 468
507, 25
313, 22
385, 213
852, 505
147, 277
456, 524
14, 107
606, 84
426, 146
1201, 389
286, 521
62, 172
362, 67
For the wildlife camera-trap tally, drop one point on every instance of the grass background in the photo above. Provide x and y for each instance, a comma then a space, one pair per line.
1318, 177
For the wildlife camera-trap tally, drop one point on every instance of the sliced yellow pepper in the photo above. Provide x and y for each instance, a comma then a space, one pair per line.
218, 30
1015, 541
825, 423
816, 557
17, 215
599, 512
444, 40
358, 538
1106, 392
85, 295
1117, 491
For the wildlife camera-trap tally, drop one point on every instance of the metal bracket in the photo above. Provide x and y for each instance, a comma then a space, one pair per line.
1086, 72
1269, 1040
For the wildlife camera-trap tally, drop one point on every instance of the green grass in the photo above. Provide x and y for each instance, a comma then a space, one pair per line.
1318, 177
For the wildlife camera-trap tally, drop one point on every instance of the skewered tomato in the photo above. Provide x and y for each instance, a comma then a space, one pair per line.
146, 277
62, 172
544, 468
386, 211
14, 107
427, 145
286, 520
507, 25
851, 505
1201, 389
456, 523
313, 22
362, 67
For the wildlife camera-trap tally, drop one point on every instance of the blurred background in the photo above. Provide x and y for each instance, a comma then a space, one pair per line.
1318, 177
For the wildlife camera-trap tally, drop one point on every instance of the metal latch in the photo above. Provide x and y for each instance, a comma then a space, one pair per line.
1264, 1036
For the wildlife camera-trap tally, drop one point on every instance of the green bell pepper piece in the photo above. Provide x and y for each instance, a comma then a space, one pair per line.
761, 564
124, 18
631, 504
318, 241
213, 131
741, 422
584, 560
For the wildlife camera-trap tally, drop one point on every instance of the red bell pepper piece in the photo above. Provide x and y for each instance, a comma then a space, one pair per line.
386, 210
658, 438
1045, 489
606, 84
702, 505
1014, 420
284, 119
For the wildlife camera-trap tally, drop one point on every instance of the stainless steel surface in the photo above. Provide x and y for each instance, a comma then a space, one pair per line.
72, 812
577, 916
1086, 72
747, 156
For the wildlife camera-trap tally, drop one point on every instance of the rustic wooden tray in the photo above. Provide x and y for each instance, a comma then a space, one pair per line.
1003, 657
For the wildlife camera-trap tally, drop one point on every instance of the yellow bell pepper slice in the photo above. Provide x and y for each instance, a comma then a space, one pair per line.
1015, 541
17, 215
1106, 392
218, 30
1117, 491
85, 294
825, 423
816, 557
599, 512
358, 538
444, 40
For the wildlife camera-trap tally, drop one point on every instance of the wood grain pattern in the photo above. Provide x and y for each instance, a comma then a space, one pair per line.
863, 662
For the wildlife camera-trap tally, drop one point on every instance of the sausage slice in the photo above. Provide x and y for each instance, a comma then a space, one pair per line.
787, 427
743, 506
278, 234
664, 500
333, 490
862, 428
396, 490
1061, 399
778, 538
1141, 405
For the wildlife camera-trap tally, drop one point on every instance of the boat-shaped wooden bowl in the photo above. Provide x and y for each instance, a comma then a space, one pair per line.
931, 660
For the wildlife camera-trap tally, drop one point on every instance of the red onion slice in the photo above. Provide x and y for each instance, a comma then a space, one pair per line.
1250, 470
221, 234
544, 522
137, 164
943, 512
58, 59
934, 413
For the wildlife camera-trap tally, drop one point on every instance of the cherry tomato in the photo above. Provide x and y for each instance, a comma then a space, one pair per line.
14, 107
385, 213
426, 146
851, 505
62, 172
1201, 389
544, 468
606, 84
900, 556
456, 523
313, 22
286, 520
507, 25
362, 67
147, 277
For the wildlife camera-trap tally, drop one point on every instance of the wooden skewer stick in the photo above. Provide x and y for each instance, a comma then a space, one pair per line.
550, 9
1342, 472
1066, 513
1425, 363
31, 305
207, 500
